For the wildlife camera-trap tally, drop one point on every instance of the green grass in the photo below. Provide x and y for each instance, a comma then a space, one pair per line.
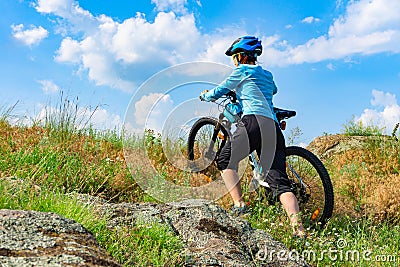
345, 241
145, 245
358, 128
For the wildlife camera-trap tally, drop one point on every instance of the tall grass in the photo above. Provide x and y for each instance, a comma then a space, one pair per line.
6, 111
63, 152
367, 176
358, 128
66, 118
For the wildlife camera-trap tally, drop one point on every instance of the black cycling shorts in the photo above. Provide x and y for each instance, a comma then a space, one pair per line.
262, 134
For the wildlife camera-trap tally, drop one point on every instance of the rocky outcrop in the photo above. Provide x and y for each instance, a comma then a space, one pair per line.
29, 238
330, 145
326, 146
212, 237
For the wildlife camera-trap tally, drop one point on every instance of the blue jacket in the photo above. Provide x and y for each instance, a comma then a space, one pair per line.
254, 88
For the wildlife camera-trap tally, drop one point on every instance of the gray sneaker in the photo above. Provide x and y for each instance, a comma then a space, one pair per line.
240, 211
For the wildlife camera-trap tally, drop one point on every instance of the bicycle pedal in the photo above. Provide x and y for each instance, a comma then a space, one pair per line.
264, 183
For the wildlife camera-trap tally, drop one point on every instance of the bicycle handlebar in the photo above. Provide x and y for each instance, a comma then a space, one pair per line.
281, 114
233, 96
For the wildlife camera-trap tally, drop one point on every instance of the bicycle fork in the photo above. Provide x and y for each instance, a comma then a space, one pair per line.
210, 154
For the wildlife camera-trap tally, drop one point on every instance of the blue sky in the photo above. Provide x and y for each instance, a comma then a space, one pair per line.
330, 61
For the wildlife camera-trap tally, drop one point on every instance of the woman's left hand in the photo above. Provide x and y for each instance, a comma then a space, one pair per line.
201, 96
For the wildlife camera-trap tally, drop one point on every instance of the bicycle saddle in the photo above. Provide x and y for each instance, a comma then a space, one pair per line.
282, 114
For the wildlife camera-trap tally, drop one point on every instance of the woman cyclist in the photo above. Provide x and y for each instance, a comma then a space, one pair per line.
258, 130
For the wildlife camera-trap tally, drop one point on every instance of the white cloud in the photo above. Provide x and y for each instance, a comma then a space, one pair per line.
54, 6
385, 115
49, 87
72, 19
367, 16
367, 27
168, 5
122, 54
169, 38
151, 110
69, 51
103, 119
330, 66
32, 36
212, 47
310, 20
67, 9
383, 99
215, 50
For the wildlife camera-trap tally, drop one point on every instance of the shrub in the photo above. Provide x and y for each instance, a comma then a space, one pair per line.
358, 128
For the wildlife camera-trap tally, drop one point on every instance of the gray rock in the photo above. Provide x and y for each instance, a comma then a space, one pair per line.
329, 146
212, 237
29, 238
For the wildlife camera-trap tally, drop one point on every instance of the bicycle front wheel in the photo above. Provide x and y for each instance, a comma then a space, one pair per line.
206, 139
311, 184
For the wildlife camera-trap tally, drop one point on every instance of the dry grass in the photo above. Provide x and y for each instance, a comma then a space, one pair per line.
81, 163
173, 171
365, 175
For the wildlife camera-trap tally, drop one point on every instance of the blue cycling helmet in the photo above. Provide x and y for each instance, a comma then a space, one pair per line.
246, 44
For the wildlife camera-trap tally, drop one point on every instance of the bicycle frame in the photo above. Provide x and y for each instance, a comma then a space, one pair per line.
308, 177
254, 162
210, 153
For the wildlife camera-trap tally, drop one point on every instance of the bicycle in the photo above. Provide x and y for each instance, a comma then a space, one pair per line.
309, 178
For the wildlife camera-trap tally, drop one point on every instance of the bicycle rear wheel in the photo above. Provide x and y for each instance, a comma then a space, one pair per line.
311, 184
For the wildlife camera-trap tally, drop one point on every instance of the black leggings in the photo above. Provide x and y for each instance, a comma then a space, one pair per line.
263, 135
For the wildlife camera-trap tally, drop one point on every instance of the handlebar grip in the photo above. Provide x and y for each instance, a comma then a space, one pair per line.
232, 94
